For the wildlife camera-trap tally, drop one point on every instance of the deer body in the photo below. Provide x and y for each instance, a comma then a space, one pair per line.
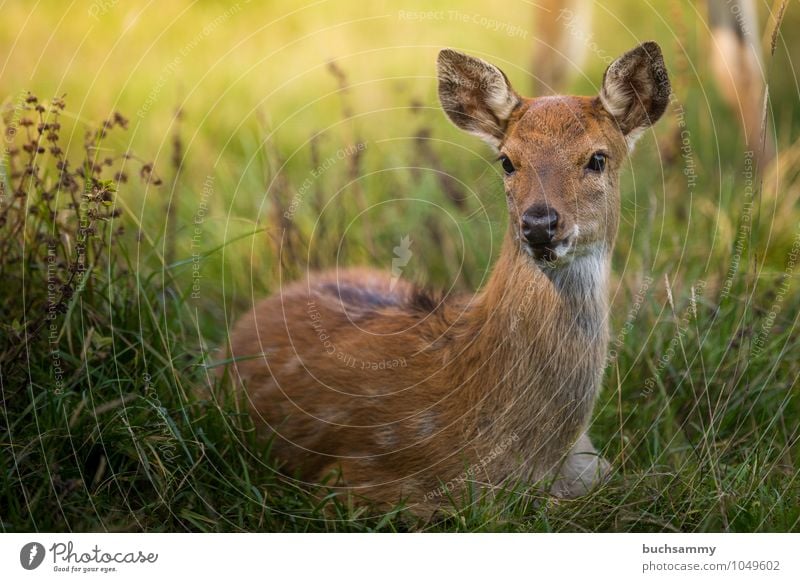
376, 386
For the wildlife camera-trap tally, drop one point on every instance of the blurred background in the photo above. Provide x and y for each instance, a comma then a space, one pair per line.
289, 136
256, 95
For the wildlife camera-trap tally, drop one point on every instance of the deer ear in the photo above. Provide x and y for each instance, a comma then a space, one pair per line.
636, 90
476, 95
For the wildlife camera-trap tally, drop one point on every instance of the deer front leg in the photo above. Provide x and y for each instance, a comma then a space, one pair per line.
582, 470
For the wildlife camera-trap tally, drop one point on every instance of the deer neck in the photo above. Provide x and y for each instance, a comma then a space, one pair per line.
542, 336
567, 301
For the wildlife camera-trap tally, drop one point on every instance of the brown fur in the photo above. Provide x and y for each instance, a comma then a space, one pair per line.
396, 392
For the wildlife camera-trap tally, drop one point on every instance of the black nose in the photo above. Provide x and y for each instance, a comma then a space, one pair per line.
539, 224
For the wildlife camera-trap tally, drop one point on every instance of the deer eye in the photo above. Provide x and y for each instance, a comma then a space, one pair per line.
597, 163
508, 167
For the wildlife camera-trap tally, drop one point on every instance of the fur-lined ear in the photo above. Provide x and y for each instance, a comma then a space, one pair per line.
636, 90
476, 95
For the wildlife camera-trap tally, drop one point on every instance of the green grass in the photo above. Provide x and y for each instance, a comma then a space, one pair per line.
703, 440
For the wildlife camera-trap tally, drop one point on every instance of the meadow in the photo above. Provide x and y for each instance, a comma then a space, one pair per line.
217, 150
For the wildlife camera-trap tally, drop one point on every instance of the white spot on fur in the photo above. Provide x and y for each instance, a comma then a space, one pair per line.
426, 424
633, 136
292, 366
386, 437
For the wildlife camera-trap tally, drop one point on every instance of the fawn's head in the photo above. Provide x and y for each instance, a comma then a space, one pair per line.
561, 155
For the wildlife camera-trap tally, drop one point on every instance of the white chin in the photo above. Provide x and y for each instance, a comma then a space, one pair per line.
557, 256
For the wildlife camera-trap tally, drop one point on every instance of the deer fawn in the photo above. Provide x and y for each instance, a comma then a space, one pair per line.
399, 396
